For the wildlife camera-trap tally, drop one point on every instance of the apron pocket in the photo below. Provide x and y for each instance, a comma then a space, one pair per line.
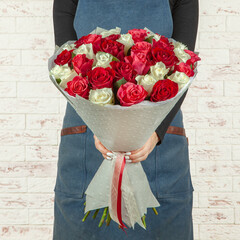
71, 169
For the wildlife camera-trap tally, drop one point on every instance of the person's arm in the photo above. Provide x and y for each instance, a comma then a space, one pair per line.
185, 25
63, 17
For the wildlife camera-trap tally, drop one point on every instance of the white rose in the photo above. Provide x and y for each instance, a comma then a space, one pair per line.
86, 49
147, 81
64, 73
107, 33
127, 41
156, 37
68, 46
103, 59
179, 45
180, 78
181, 55
101, 96
159, 70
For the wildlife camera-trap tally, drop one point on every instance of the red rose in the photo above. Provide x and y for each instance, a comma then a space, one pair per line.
78, 85
194, 58
113, 47
163, 90
101, 77
123, 70
142, 47
165, 55
138, 34
82, 64
113, 37
163, 42
130, 93
185, 68
95, 39
64, 57
140, 63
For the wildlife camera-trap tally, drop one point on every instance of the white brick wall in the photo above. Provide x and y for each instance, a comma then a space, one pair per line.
30, 121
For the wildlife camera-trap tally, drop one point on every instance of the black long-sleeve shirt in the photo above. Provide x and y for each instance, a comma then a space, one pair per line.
185, 24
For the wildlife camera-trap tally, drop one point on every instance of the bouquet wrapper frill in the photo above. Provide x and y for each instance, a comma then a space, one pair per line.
121, 186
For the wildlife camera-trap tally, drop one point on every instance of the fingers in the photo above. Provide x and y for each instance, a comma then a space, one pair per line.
99, 146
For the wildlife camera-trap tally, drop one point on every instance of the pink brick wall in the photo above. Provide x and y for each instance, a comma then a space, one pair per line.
30, 121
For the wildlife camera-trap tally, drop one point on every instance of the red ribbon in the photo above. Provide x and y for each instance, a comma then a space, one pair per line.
117, 183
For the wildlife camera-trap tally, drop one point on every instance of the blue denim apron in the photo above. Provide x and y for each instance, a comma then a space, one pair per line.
167, 166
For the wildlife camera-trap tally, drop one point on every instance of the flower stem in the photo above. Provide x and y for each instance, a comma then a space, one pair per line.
85, 216
108, 219
95, 214
155, 211
103, 216
143, 220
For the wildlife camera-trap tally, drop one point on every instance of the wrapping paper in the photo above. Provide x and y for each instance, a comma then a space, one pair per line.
121, 129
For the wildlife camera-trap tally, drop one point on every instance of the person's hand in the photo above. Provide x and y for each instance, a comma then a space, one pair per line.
107, 154
142, 153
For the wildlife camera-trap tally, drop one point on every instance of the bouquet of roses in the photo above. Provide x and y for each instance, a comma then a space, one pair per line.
122, 86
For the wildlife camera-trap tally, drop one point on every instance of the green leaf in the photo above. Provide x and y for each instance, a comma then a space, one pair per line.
58, 80
73, 54
115, 59
119, 83
149, 39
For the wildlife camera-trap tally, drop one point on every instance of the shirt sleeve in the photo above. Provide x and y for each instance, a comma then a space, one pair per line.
185, 25
63, 17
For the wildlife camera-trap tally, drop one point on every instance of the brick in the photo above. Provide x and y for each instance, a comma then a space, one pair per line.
235, 153
212, 23
232, 88
219, 232
234, 56
13, 185
29, 105
191, 134
28, 169
42, 153
37, 90
26, 8
8, 121
204, 152
219, 200
23, 232
41, 216
217, 168
212, 184
221, 7
35, 137
221, 136
232, 23
195, 199
206, 88
36, 57
205, 120
10, 57
218, 104
46, 121
237, 215
214, 56
219, 72
7, 24
7, 89
189, 104
12, 153
236, 184
41, 185
33, 41
11, 216
34, 25
213, 216
219, 40
24, 73
27, 201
